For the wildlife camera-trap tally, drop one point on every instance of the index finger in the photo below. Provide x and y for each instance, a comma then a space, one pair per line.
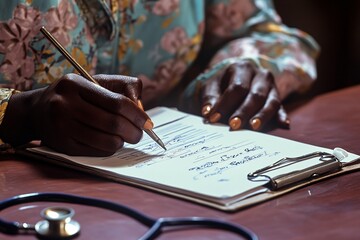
113, 102
129, 86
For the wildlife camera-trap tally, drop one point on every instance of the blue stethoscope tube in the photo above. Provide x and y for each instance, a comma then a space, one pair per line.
155, 225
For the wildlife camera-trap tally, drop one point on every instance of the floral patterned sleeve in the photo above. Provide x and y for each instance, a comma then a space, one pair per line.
27, 60
262, 38
157, 41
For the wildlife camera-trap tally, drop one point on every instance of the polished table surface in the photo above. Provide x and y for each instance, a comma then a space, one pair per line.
329, 209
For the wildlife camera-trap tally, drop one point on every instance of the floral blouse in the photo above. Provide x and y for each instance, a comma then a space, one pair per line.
156, 41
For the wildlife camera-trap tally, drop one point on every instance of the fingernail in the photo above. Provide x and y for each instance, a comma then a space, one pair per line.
148, 125
215, 117
235, 123
287, 123
140, 104
255, 123
206, 110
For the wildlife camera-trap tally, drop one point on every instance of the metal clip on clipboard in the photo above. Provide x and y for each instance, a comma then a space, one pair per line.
328, 164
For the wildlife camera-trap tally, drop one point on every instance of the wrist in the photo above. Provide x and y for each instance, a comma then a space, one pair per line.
17, 126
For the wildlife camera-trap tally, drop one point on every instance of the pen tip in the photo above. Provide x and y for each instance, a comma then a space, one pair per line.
162, 145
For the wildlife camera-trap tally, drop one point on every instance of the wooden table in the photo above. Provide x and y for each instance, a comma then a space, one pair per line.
326, 210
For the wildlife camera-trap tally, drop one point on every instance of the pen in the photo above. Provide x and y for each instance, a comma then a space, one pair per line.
86, 75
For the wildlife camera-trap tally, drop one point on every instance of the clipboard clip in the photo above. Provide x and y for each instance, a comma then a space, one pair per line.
328, 163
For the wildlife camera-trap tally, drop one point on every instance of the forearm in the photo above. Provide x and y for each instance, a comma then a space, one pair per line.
261, 37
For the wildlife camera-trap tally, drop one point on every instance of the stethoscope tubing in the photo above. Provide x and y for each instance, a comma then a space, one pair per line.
155, 230
155, 225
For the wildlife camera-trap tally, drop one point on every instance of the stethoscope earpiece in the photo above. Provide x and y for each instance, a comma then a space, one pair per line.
57, 224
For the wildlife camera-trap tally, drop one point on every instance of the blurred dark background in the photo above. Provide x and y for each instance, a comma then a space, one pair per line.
335, 25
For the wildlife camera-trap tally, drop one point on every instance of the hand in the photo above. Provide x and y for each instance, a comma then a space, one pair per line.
77, 117
243, 96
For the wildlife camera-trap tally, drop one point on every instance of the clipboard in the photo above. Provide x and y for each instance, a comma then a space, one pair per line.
278, 185
267, 183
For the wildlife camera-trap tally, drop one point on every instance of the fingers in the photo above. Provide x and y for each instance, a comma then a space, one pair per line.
282, 118
129, 86
106, 100
236, 81
211, 94
98, 142
267, 112
258, 101
105, 124
86, 119
244, 96
71, 137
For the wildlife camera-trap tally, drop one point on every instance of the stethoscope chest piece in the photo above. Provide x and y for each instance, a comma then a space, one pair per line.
57, 224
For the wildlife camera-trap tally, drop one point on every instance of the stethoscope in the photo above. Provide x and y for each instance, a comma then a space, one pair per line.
57, 222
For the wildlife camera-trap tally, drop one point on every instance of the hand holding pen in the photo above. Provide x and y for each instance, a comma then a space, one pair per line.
83, 118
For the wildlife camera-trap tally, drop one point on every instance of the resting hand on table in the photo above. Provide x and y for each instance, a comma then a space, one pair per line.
77, 117
242, 96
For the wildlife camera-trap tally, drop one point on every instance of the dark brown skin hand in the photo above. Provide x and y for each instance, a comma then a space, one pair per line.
244, 97
77, 117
